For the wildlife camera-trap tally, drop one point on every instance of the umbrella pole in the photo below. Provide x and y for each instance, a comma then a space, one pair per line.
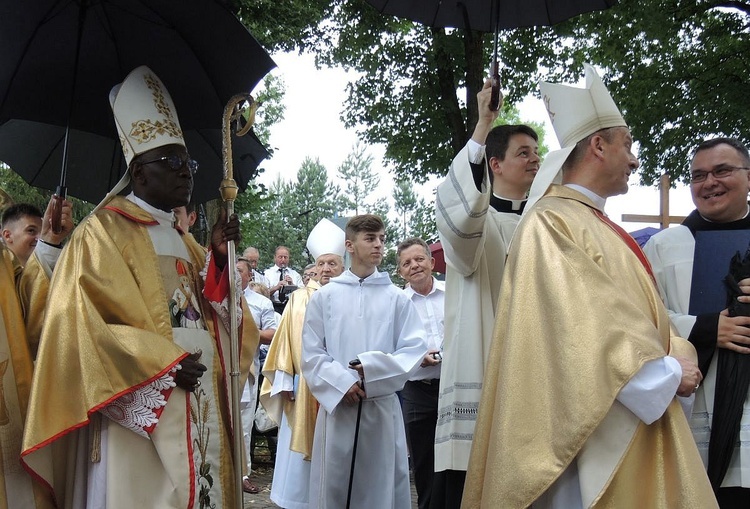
495, 67
62, 191
228, 191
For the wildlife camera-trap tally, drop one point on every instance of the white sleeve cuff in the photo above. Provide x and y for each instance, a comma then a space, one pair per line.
282, 381
476, 151
651, 390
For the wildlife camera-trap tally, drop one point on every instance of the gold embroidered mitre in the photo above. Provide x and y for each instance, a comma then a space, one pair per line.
144, 113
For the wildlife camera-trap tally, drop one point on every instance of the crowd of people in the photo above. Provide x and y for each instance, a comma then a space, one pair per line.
558, 365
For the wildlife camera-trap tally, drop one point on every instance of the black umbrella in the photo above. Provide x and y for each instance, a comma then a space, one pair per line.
489, 16
35, 150
60, 58
732, 382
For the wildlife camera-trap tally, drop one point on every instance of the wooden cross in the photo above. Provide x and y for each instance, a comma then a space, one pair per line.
664, 219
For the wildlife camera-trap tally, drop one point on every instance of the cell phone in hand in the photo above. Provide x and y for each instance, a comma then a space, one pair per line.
437, 356
355, 362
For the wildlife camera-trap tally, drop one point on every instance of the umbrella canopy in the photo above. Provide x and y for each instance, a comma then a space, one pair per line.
60, 59
97, 161
476, 14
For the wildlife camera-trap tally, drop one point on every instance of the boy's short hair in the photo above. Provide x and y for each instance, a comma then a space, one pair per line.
19, 210
363, 223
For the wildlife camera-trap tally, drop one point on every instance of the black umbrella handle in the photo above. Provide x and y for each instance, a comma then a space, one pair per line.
57, 203
495, 100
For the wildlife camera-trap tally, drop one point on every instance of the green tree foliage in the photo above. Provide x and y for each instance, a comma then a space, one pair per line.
289, 212
405, 202
21, 192
359, 180
423, 223
677, 68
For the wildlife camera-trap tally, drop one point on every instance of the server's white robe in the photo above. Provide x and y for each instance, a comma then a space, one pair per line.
374, 321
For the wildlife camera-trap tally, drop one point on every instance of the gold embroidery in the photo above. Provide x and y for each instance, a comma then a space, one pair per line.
161, 104
125, 144
199, 416
551, 114
146, 130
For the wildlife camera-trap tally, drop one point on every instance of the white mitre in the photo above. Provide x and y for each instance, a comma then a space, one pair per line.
145, 118
575, 114
144, 113
326, 238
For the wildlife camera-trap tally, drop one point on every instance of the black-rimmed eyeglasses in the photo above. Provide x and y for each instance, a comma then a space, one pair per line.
176, 162
720, 172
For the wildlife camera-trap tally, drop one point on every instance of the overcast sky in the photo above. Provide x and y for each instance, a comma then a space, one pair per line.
314, 100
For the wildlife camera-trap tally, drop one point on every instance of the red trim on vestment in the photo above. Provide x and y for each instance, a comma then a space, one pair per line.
630, 241
130, 216
86, 422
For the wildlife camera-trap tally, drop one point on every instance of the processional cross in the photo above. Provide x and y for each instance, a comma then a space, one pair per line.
664, 219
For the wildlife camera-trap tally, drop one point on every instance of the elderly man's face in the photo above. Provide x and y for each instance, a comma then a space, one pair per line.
252, 258
308, 275
328, 266
282, 258
159, 185
245, 274
415, 265
720, 199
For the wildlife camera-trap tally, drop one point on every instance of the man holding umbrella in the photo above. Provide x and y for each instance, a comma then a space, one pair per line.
478, 207
130, 388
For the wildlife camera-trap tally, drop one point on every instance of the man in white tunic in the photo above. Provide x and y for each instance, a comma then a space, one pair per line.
360, 316
478, 207
720, 182
130, 392
285, 394
280, 275
420, 394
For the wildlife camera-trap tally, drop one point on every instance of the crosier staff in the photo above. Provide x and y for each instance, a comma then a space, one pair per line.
228, 189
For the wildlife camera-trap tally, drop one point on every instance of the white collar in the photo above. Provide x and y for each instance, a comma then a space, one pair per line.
591, 195
163, 217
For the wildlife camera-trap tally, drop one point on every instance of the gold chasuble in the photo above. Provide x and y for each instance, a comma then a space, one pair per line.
578, 316
16, 365
107, 426
285, 354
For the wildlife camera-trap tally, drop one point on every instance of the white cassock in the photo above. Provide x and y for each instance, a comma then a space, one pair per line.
475, 238
374, 321
671, 254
